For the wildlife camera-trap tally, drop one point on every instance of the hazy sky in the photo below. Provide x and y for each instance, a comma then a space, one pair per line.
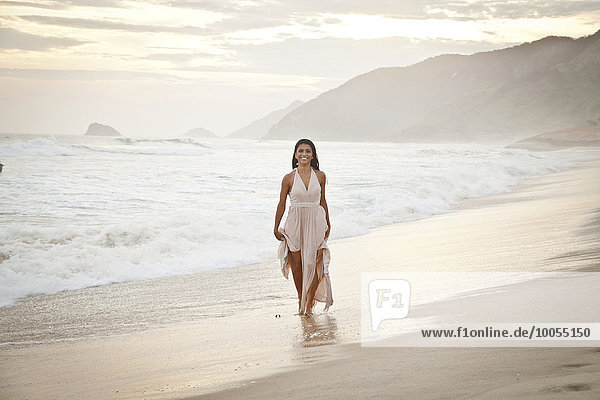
161, 68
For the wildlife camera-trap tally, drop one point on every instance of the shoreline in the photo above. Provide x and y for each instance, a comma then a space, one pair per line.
458, 205
554, 368
185, 358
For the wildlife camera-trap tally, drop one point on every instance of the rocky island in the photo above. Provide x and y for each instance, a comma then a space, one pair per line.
96, 129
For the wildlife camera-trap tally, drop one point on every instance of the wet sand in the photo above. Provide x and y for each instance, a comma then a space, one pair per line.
233, 333
545, 224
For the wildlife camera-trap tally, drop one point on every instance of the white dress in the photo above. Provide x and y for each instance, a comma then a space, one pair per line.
304, 231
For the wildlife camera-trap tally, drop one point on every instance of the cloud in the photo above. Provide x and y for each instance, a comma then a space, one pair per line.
46, 6
267, 13
282, 9
224, 6
516, 9
178, 58
60, 5
85, 23
417, 9
246, 21
82, 75
14, 39
231, 18
92, 3
401, 9
241, 23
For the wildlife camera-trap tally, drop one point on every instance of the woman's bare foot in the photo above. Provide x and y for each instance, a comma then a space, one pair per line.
309, 310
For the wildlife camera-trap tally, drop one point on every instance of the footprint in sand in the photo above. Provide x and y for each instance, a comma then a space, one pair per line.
570, 387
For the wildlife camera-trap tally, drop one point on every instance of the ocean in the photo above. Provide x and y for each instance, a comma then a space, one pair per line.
79, 211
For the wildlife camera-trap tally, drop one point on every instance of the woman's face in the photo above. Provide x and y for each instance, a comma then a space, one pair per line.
304, 154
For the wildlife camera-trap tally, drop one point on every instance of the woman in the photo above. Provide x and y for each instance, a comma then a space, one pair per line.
303, 247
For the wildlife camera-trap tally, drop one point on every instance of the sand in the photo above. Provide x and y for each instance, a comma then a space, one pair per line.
547, 223
155, 339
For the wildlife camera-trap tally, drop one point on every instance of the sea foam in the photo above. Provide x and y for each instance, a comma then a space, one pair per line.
121, 209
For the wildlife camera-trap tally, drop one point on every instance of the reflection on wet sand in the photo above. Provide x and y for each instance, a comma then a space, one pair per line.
319, 330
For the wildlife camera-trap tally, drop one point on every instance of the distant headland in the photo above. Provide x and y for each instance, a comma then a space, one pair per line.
199, 133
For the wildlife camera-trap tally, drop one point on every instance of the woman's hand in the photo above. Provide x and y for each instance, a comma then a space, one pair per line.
278, 234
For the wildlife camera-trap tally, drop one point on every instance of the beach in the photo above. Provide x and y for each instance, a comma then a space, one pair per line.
436, 163
232, 333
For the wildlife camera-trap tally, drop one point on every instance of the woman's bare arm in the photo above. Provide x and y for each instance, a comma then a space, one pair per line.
285, 188
322, 181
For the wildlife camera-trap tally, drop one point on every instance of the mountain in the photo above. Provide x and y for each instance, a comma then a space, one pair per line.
498, 96
96, 129
199, 133
260, 127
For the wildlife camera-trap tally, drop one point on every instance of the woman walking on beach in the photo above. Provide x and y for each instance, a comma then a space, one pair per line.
303, 247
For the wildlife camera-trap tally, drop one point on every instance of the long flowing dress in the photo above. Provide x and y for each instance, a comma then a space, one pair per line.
304, 230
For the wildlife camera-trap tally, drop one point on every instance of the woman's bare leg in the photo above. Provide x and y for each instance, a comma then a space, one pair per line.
296, 263
315, 282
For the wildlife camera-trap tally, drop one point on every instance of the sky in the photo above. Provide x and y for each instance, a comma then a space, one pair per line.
161, 68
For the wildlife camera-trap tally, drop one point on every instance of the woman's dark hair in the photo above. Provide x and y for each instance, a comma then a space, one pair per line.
315, 160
